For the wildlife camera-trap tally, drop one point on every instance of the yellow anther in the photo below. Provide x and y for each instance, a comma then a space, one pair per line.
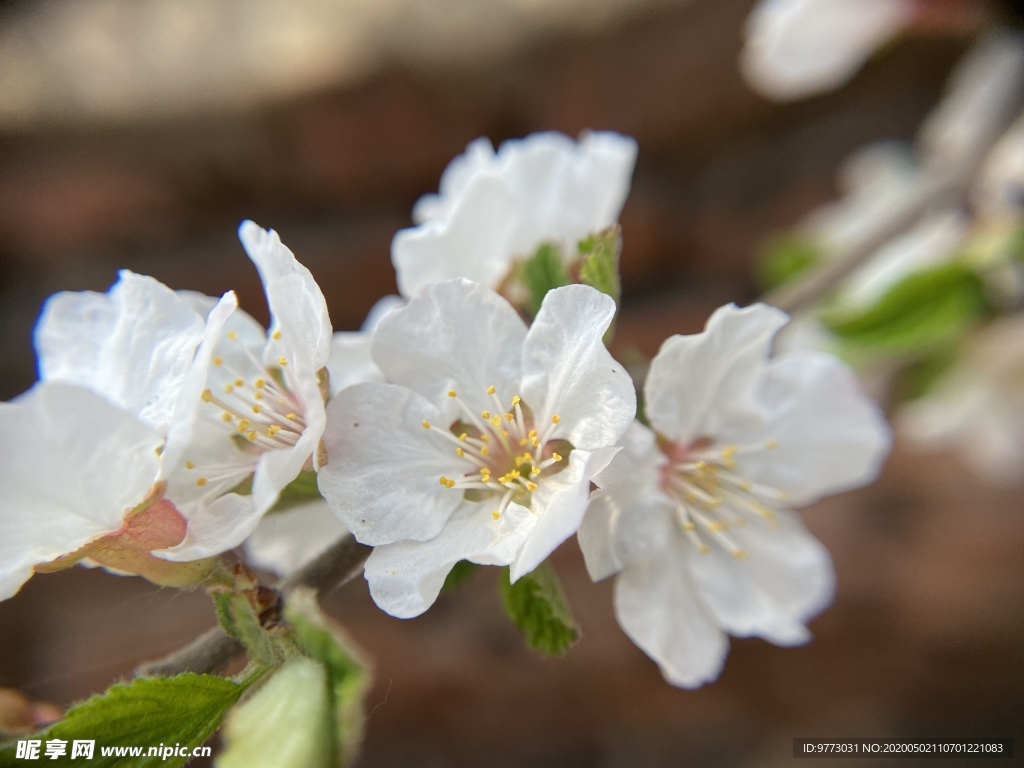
555, 419
218, 360
276, 335
290, 416
495, 515
190, 465
260, 383
534, 442
729, 451
522, 442
232, 335
556, 456
452, 393
514, 474
516, 401
485, 414
485, 451
459, 452
226, 417
207, 395
704, 549
534, 470
531, 487
257, 408
702, 466
273, 429
462, 437
426, 424
282, 361
509, 417
485, 474
520, 461
201, 482
771, 444
495, 420
239, 383
491, 390
688, 526
485, 438
243, 425
739, 554
532, 433
257, 395
716, 526
504, 433
251, 435
447, 482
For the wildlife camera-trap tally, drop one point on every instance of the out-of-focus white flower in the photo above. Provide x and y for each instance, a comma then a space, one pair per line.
484, 446
351, 362
999, 191
978, 408
495, 208
81, 479
798, 48
261, 407
695, 513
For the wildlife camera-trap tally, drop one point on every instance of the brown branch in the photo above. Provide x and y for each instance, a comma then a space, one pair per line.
214, 649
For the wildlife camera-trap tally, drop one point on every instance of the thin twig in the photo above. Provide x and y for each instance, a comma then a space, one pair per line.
214, 649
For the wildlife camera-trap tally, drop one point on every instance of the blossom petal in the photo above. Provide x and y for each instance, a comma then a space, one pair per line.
657, 605
828, 435
454, 335
214, 526
568, 373
405, 578
65, 444
351, 361
786, 579
285, 541
133, 344
383, 467
559, 503
697, 381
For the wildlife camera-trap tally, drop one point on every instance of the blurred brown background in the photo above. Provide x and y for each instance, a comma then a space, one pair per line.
150, 163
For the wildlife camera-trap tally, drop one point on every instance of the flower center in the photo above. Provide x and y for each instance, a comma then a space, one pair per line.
252, 406
502, 454
711, 498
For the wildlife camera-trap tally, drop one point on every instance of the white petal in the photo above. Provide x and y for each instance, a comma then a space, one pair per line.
559, 504
64, 444
478, 157
694, 381
214, 526
405, 578
657, 605
133, 345
383, 468
830, 436
455, 335
285, 541
785, 580
568, 372
351, 362
797, 48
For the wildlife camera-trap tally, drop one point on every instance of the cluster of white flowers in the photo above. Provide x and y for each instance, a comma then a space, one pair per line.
167, 424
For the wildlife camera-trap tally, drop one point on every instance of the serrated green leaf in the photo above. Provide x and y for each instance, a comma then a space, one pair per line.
147, 712
348, 672
783, 257
599, 261
543, 272
286, 724
922, 311
537, 606
459, 575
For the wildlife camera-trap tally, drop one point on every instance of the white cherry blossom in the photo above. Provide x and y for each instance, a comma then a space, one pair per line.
495, 208
695, 514
798, 48
483, 447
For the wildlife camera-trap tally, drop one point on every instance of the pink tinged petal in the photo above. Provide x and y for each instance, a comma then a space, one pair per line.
406, 577
829, 436
658, 606
133, 344
567, 372
785, 579
285, 541
383, 468
697, 382
214, 526
457, 336
66, 443
559, 503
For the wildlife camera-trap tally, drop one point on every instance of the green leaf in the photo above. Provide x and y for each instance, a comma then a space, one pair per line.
537, 606
147, 712
599, 266
542, 272
783, 257
347, 671
459, 575
286, 724
922, 311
